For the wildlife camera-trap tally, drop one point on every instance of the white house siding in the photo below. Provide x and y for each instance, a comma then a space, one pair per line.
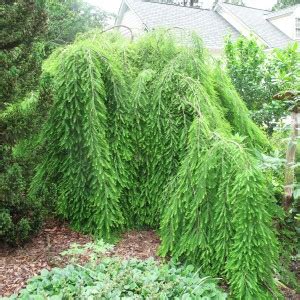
287, 23
207, 4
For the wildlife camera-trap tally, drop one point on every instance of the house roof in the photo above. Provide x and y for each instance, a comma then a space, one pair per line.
283, 11
208, 24
255, 19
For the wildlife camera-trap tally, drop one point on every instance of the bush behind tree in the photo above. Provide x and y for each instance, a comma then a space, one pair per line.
258, 76
24, 22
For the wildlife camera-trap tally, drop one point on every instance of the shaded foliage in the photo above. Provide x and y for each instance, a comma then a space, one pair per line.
68, 18
24, 23
284, 3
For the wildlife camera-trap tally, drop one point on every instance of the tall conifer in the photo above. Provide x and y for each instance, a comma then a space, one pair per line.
172, 146
78, 155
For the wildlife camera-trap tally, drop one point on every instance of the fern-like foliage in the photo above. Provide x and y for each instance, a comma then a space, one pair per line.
211, 218
78, 154
237, 113
154, 134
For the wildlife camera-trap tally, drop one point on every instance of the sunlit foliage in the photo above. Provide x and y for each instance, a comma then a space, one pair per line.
153, 134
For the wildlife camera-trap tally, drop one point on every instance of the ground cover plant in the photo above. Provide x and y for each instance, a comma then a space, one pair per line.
153, 134
121, 279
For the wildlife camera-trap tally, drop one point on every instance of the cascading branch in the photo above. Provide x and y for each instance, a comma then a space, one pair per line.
78, 157
217, 214
154, 134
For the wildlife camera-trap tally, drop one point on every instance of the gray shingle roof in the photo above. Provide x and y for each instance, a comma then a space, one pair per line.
256, 20
284, 11
207, 23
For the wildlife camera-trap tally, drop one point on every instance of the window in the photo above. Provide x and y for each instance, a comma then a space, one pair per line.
198, 3
297, 28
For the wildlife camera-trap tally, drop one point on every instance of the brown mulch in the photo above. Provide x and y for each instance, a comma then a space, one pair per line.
138, 244
18, 265
290, 294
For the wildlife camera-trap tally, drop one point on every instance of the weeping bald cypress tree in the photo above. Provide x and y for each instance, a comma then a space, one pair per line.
148, 57
182, 84
153, 134
76, 135
211, 217
191, 182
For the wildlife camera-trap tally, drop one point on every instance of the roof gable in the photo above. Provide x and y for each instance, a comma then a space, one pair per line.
210, 26
255, 19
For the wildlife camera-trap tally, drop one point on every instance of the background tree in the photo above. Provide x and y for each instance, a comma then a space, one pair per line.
24, 22
258, 76
236, 2
285, 3
67, 18
244, 59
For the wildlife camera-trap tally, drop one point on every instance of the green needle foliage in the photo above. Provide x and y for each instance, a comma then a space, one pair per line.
152, 134
78, 156
22, 25
214, 206
237, 113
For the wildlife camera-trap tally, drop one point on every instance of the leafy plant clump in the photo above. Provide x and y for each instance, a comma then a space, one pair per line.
117, 279
153, 134
93, 252
258, 76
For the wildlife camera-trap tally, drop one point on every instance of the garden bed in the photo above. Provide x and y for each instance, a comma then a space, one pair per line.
17, 266
20, 264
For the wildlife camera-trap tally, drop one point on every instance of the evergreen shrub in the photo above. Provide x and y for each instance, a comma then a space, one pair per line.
22, 24
153, 134
20, 214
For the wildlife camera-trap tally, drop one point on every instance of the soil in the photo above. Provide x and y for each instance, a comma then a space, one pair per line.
138, 244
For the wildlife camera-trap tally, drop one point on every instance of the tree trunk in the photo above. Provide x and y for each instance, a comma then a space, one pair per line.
290, 161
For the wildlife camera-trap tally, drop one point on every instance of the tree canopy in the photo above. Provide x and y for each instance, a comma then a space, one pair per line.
285, 3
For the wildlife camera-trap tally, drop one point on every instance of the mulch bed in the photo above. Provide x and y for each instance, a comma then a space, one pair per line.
18, 265
138, 244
